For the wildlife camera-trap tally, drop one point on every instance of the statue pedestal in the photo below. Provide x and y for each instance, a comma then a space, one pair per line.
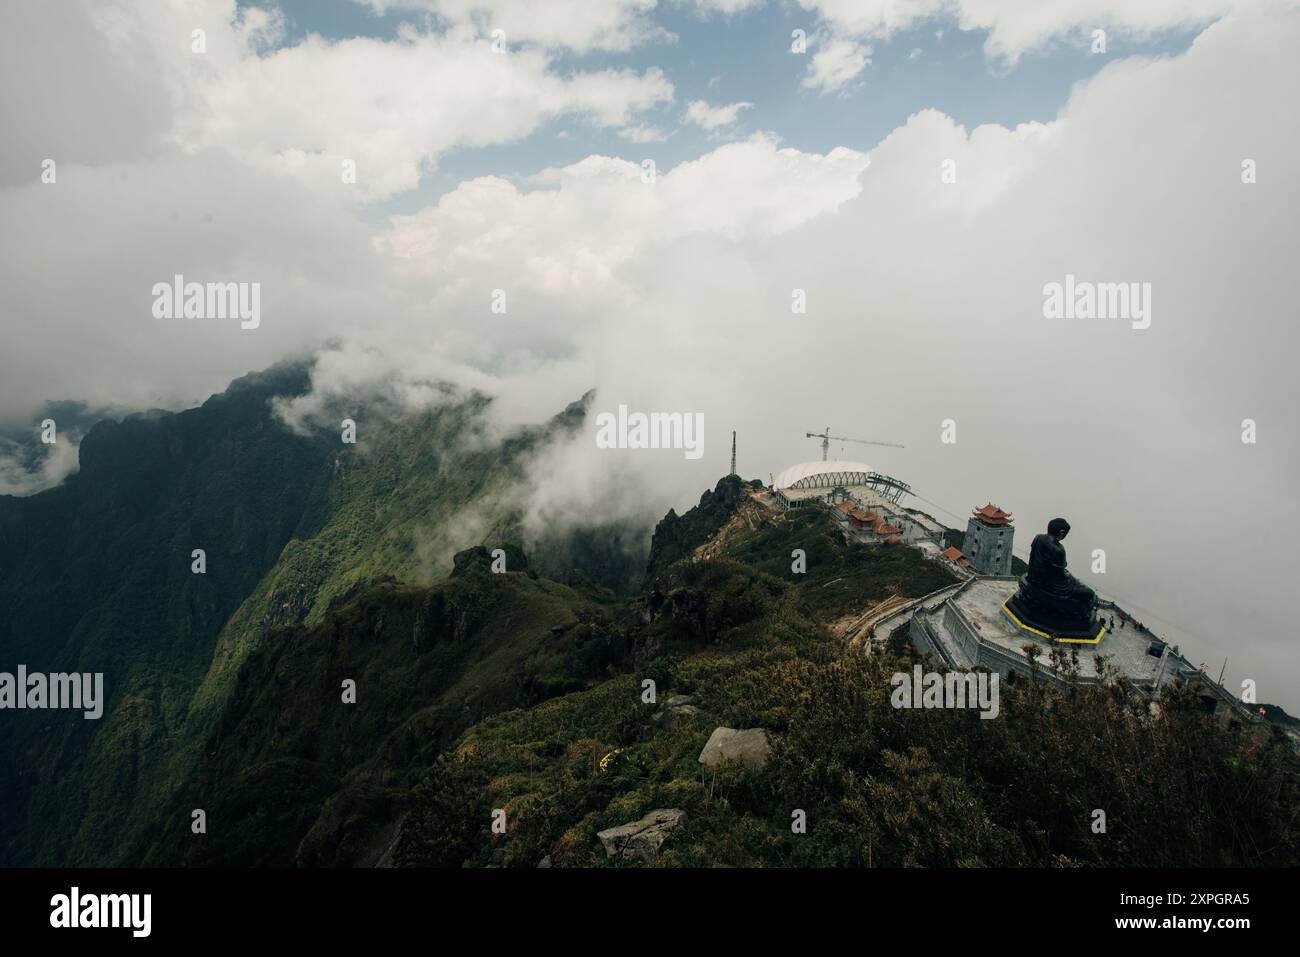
1053, 617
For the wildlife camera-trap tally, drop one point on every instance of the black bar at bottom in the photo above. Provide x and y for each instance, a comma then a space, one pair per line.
330, 907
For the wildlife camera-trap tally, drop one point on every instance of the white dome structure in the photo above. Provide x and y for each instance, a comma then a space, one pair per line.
824, 475
810, 482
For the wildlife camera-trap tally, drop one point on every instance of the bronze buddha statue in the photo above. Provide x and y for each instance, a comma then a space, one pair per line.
1050, 599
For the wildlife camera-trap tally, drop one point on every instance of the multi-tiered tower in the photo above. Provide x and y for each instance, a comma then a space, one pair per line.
988, 540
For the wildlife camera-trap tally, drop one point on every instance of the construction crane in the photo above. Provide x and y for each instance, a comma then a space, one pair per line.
826, 438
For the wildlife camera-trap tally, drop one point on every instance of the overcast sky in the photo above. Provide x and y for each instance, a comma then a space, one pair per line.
523, 170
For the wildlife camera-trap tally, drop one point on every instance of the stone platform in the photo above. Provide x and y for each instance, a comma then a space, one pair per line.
972, 628
1080, 637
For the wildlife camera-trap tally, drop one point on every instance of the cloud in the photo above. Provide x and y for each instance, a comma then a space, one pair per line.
712, 117
578, 25
643, 133
392, 108
97, 83
724, 7
835, 64
924, 296
395, 107
875, 18
20, 475
1015, 29
600, 214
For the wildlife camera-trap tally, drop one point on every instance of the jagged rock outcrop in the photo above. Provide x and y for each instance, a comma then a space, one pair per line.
642, 839
677, 536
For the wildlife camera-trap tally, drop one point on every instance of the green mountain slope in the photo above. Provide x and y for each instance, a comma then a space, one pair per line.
97, 577
528, 700
525, 692
878, 786
294, 774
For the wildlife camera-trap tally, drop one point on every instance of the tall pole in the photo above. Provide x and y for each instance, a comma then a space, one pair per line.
733, 451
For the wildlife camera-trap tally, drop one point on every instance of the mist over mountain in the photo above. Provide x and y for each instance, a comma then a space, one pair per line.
924, 296
613, 434
405, 565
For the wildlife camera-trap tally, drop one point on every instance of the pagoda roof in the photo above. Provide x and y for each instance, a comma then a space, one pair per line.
990, 514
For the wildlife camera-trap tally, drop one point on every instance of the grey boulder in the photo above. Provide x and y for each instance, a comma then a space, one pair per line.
642, 839
748, 746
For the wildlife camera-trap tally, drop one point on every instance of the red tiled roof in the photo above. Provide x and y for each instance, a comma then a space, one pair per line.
951, 554
857, 515
990, 514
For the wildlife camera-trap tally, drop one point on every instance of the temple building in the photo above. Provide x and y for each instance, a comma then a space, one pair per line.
957, 558
988, 540
856, 517
870, 526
